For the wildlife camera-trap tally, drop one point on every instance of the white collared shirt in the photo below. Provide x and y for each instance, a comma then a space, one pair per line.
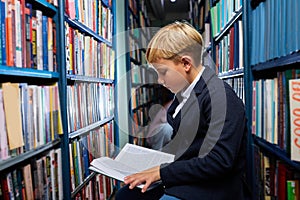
187, 92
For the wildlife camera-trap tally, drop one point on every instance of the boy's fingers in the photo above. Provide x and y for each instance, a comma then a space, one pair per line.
144, 189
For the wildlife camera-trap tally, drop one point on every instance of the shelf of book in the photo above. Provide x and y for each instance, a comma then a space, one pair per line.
27, 72
81, 78
278, 62
272, 61
89, 88
276, 151
46, 5
229, 24
137, 37
84, 183
231, 74
223, 15
85, 130
16, 161
227, 49
83, 28
30, 79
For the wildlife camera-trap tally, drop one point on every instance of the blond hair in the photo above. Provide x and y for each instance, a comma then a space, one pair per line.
173, 40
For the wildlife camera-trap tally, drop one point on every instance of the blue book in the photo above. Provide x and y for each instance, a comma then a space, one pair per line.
236, 46
289, 27
296, 16
276, 28
262, 32
3, 33
97, 17
271, 31
295, 21
45, 42
76, 10
85, 155
253, 59
255, 37
105, 2
283, 30
267, 30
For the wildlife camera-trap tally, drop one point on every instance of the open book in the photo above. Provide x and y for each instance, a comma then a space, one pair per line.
130, 160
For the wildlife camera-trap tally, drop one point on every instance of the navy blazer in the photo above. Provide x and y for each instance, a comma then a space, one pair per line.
209, 143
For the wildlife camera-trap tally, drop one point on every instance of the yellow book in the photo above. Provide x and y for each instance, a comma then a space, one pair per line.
11, 100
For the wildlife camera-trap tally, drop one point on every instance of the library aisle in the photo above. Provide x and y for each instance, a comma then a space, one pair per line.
75, 85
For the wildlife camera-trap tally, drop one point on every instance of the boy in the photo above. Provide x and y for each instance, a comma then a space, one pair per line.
208, 121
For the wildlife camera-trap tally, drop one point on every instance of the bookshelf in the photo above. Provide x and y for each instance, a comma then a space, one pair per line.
227, 42
227, 45
270, 62
90, 110
52, 126
202, 22
31, 139
141, 78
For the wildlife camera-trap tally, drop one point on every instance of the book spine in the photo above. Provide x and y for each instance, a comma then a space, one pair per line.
3, 32
34, 39
50, 45
22, 30
45, 42
18, 34
9, 34
4, 150
28, 35
55, 68
294, 96
39, 39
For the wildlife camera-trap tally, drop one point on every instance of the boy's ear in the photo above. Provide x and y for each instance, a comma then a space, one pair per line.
187, 62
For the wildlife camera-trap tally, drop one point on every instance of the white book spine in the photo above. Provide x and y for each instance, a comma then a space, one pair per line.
294, 92
41, 119
39, 39
18, 34
59, 174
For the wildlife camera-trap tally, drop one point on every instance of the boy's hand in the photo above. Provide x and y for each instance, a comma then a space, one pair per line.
145, 177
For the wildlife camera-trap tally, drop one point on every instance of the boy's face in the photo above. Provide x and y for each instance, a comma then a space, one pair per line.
172, 76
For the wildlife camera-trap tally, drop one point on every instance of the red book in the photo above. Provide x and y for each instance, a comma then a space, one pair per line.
23, 32
4, 188
281, 181
9, 34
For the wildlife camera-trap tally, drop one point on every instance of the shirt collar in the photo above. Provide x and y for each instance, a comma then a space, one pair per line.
187, 92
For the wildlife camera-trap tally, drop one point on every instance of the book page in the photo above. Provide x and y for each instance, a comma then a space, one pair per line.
142, 158
110, 164
130, 160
